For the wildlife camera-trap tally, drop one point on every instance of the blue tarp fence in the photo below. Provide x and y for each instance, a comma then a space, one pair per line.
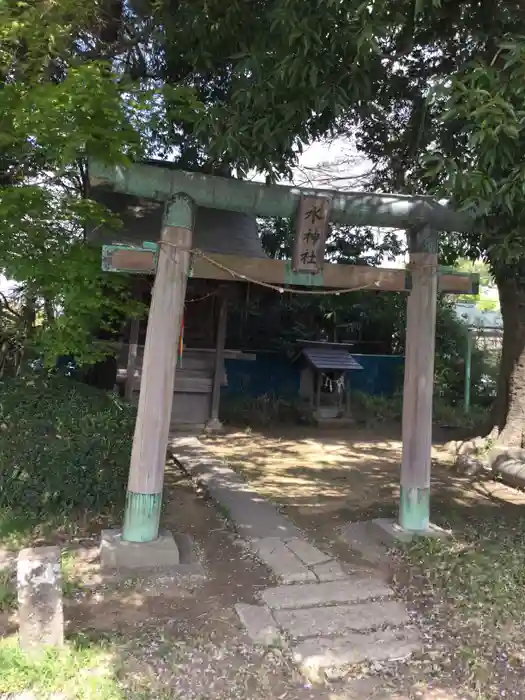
276, 374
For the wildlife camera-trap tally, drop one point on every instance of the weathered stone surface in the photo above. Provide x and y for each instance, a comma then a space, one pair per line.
283, 562
309, 595
306, 552
475, 446
252, 515
315, 656
361, 537
329, 571
40, 611
509, 464
468, 465
339, 619
259, 624
116, 553
213, 426
391, 532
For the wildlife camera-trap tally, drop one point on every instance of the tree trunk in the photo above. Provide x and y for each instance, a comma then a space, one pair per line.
49, 311
509, 407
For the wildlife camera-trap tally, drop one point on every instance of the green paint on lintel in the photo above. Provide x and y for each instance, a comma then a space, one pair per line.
179, 211
302, 279
414, 509
155, 181
108, 250
142, 517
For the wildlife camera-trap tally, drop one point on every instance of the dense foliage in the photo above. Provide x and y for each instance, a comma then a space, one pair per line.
447, 118
64, 446
226, 89
64, 98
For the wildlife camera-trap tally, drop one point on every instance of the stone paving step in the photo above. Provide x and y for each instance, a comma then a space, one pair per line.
281, 544
283, 562
306, 552
254, 517
308, 595
259, 623
336, 654
329, 571
339, 619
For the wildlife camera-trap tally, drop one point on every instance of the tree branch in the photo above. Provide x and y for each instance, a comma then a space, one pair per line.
8, 307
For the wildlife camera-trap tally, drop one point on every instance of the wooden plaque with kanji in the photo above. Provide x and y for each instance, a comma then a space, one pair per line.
313, 217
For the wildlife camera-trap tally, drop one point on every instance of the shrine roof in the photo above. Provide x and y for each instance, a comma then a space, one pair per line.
216, 230
330, 358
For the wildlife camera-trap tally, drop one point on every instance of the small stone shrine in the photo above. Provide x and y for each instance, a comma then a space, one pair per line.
325, 380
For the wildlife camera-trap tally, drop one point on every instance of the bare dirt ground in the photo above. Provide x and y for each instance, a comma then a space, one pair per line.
183, 640
324, 478
179, 639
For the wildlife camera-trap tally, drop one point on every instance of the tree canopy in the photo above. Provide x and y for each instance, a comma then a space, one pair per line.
431, 91
222, 88
447, 119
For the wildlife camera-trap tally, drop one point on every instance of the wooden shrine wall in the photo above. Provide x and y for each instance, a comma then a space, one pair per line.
200, 313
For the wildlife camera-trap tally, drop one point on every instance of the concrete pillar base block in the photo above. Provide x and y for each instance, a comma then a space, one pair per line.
389, 531
116, 553
214, 425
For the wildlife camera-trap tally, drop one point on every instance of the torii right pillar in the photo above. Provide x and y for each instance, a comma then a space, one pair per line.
414, 507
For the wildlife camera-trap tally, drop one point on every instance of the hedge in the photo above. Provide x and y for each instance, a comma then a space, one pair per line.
64, 446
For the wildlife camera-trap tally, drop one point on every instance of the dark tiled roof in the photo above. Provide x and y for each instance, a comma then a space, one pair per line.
216, 230
330, 358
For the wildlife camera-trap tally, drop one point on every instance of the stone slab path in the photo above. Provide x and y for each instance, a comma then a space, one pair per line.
330, 618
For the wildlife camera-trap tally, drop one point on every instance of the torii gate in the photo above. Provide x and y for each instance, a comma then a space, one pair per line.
182, 192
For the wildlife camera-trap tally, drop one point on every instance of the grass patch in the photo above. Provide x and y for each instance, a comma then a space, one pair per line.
89, 667
15, 529
470, 589
33, 530
374, 410
79, 672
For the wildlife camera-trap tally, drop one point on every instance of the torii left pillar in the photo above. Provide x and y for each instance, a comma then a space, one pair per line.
139, 544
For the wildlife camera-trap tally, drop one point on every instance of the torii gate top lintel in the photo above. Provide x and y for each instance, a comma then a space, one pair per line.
158, 181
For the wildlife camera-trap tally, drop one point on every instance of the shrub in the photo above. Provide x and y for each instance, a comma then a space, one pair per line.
64, 446
372, 410
260, 411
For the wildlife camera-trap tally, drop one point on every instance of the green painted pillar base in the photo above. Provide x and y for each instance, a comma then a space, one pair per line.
414, 509
141, 517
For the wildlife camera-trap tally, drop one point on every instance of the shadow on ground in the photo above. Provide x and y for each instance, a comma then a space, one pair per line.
183, 640
348, 475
